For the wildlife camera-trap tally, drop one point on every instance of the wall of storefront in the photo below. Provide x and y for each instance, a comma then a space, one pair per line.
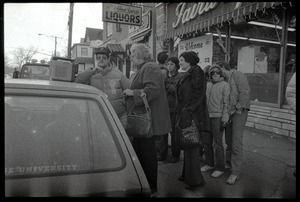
161, 20
267, 79
271, 119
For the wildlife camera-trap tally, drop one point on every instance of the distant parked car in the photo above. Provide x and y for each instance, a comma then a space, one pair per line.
7, 76
65, 139
35, 71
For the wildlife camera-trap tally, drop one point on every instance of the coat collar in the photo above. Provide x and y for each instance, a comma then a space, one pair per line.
186, 75
139, 67
106, 70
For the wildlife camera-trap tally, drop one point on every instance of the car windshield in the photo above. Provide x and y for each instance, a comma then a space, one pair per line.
35, 72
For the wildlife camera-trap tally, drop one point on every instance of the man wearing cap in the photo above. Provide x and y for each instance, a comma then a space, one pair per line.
108, 79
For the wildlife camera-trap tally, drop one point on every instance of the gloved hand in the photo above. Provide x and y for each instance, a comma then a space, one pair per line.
185, 119
223, 125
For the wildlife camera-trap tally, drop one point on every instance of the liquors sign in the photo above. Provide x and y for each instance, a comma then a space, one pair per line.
123, 14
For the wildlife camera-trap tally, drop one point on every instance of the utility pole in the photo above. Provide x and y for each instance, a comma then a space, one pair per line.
70, 24
55, 46
153, 15
55, 37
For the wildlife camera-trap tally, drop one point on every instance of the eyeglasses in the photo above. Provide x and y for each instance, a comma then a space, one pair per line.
101, 57
215, 72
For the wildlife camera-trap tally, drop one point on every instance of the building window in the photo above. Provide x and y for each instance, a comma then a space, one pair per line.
109, 29
118, 27
81, 67
84, 51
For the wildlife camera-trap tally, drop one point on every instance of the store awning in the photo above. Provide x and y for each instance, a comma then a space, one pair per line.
225, 11
115, 48
140, 37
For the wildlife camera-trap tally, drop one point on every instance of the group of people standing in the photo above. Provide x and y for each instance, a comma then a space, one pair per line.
216, 100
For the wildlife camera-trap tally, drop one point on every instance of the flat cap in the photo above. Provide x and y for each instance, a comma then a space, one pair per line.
102, 50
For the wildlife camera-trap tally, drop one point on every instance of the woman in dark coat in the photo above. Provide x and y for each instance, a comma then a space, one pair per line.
191, 105
148, 78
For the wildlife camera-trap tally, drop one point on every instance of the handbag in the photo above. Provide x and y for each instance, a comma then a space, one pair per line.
139, 125
189, 137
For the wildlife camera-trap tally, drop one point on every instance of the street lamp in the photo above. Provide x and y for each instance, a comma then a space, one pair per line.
55, 37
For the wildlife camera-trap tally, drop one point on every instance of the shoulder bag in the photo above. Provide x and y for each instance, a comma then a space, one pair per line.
139, 125
189, 137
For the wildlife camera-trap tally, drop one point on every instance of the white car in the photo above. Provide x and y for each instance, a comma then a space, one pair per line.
65, 139
7, 76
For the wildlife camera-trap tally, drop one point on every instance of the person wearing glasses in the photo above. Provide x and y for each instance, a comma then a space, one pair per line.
108, 79
217, 93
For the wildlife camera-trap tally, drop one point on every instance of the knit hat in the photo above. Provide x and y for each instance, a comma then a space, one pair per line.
162, 57
190, 57
102, 50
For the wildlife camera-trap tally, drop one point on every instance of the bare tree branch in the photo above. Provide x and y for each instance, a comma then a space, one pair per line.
22, 55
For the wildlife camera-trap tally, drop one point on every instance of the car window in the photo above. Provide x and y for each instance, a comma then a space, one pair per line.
106, 151
35, 71
50, 136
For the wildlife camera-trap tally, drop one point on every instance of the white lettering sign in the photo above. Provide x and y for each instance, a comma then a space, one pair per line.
184, 15
124, 14
39, 169
202, 46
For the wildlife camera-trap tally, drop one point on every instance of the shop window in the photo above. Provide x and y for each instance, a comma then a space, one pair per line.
255, 51
290, 62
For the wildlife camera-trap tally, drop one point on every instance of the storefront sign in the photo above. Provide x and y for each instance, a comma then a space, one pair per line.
186, 14
203, 46
146, 25
123, 14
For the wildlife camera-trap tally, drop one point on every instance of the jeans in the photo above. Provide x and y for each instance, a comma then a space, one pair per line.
234, 141
218, 143
207, 139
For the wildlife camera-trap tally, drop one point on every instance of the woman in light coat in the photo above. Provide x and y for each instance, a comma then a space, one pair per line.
148, 78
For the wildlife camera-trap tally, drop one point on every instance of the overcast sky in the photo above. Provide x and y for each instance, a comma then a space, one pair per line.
24, 21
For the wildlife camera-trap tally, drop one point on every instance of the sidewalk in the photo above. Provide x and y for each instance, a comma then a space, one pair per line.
267, 172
